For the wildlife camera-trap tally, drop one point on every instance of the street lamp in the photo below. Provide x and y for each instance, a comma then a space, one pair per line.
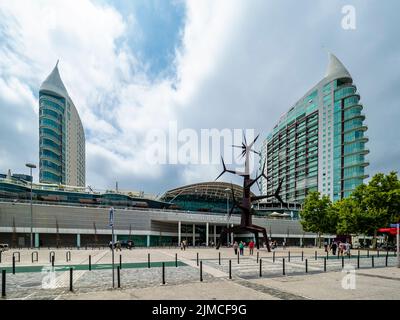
31, 166
227, 214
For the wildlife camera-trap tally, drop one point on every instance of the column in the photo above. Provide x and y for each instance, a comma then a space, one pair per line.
78, 240
36, 240
207, 239
194, 235
315, 241
215, 234
148, 240
232, 238
301, 242
179, 232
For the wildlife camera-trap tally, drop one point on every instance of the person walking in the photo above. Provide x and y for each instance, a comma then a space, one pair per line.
251, 247
235, 247
334, 247
347, 246
241, 247
326, 246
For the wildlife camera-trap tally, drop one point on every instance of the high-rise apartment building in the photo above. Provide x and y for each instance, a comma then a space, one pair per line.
319, 144
61, 135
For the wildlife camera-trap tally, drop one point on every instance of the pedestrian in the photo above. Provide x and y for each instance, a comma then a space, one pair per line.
251, 247
241, 248
334, 247
184, 245
181, 245
284, 244
235, 247
347, 246
110, 245
326, 246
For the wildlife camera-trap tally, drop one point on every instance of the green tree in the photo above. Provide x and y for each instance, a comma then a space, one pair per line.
317, 215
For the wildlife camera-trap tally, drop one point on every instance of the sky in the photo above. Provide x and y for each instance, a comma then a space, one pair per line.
132, 67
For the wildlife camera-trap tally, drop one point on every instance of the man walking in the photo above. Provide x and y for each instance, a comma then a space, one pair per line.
251, 247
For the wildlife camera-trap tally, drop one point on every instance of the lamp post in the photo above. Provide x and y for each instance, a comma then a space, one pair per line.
31, 166
227, 213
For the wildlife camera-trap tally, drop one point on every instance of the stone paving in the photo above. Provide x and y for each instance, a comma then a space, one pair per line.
138, 281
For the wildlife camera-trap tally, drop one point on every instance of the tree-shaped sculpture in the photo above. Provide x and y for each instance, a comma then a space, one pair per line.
245, 205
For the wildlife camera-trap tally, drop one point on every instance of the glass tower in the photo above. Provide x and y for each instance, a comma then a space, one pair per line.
61, 135
319, 144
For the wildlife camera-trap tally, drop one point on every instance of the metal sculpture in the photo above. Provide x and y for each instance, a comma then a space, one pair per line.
245, 205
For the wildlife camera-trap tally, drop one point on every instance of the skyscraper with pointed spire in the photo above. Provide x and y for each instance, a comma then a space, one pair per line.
61, 135
319, 144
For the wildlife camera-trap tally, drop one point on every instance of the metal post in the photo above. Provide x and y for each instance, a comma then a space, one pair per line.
201, 271
219, 258
176, 260
120, 261
13, 265
306, 265
163, 273
3, 283
372, 261
257, 256
327, 255
378, 252
386, 261
238, 255
119, 276
1, 252
197, 259
230, 269
324, 264
31, 211
368, 253
273, 257
315, 254
90, 263
283, 266
148, 260
260, 268
289, 256
52, 260
342, 261
302, 255
358, 262
71, 279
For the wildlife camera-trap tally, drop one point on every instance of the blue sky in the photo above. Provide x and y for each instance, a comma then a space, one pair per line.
134, 66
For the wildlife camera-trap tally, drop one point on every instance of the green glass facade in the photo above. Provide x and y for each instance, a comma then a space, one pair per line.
319, 144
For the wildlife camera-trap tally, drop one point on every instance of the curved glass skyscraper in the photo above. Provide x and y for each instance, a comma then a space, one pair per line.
61, 135
319, 144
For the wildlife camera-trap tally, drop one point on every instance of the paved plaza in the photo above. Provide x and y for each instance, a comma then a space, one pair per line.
291, 273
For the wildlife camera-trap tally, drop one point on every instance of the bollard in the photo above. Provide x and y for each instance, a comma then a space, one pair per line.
306, 265
260, 268
283, 266
90, 263
289, 256
3, 283
197, 259
368, 253
148, 260
71, 280
52, 261
302, 255
13, 265
324, 264
273, 257
33, 255
68, 256
386, 261
176, 260
378, 253
163, 273
201, 271
219, 258
238, 257
120, 261
342, 261
119, 276
230, 269
327, 255
315, 254
1, 252
358, 252
372, 261
258, 256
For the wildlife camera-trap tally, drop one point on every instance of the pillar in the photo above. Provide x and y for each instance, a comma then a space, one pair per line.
315, 241
148, 240
179, 232
215, 234
37, 240
207, 235
78, 240
301, 242
194, 235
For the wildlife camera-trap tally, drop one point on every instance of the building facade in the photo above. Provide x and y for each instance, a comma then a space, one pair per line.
61, 135
319, 144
